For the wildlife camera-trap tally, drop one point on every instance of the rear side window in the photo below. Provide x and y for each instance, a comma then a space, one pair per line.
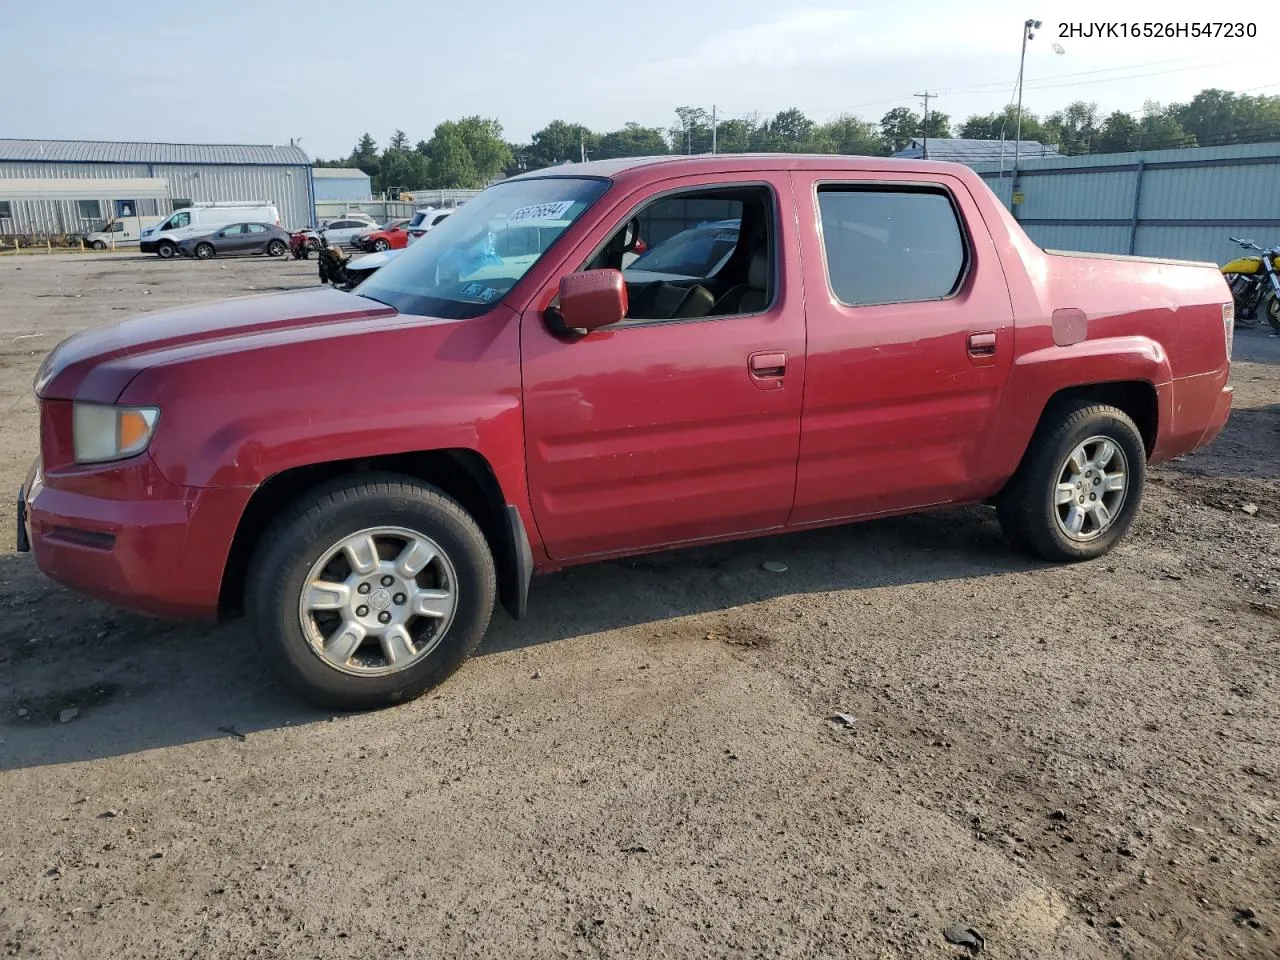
890, 246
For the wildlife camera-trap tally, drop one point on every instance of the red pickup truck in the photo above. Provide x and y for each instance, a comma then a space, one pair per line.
364, 474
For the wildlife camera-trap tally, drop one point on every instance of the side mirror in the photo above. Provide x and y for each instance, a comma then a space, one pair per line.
592, 299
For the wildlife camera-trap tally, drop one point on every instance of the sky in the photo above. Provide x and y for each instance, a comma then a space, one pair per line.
321, 73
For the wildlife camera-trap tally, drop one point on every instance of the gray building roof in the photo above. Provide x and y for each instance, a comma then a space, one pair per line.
960, 150
339, 173
99, 151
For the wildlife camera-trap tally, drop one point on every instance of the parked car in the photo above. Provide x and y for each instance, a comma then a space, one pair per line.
391, 236
125, 231
238, 238
883, 339
424, 221
343, 231
201, 218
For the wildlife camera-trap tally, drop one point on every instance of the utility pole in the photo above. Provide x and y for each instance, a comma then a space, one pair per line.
582, 144
1028, 33
926, 97
713, 128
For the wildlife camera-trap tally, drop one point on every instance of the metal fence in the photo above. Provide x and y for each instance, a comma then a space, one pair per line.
1183, 204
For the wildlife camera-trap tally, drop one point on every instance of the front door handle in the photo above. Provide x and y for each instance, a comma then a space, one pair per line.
982, 344
768, 365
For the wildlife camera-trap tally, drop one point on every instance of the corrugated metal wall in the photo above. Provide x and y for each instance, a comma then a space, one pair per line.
342, 189
1164, 203
288, 187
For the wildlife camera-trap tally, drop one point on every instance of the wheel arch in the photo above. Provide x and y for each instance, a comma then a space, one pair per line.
460, 473
1137, 398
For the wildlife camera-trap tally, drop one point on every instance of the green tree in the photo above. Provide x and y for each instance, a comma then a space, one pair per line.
939, 125
451, 166
851, 135
735, 135
1073, 128
365, 155
483, 138
1120, 132
399, 141
692, 134
632, 140
792, 129
992, 126
558, 142
899, 126
1159, 129
1216, 116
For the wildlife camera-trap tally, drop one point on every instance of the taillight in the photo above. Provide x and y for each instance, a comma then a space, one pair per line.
1229, 325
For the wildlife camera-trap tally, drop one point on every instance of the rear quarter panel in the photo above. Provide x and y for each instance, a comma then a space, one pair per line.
1153, 321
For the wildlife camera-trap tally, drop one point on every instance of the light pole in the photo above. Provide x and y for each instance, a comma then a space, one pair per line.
1028, 33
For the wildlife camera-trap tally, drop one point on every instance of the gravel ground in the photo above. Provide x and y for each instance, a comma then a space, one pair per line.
1075, 761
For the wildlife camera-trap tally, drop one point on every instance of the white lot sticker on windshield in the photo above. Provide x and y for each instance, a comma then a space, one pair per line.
541, 211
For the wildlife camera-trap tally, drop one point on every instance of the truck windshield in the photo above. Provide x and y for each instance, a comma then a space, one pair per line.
472, 259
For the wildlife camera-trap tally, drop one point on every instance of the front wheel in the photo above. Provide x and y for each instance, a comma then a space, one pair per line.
1273, 312
166, 250
370, 592
380, 245
1080, 485
204, 251
99, 244
275, 248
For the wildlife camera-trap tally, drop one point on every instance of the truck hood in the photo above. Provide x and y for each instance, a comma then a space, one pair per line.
88, 366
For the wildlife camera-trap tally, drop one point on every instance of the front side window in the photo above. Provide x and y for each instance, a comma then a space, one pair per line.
89, 209
232, 231
468, 263
890, 246
709, 253
178, 220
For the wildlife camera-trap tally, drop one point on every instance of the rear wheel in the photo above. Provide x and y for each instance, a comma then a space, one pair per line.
275, 248
204, 251
166, 250
370, 592
1080, 484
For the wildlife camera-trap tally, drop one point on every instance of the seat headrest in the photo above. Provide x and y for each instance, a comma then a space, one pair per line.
758, 270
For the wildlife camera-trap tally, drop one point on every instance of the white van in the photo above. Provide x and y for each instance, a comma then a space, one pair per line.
121, 232
201, 218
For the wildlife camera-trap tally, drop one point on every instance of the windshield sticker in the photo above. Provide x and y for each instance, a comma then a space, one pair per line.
541, 211
480, 291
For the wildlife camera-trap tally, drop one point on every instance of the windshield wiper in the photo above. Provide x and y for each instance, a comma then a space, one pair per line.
369, 296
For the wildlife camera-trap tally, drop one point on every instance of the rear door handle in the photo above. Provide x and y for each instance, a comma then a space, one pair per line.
982, 344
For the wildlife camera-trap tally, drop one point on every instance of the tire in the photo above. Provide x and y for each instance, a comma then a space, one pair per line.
204, 251
166, 250
1273, 312
379, 245
1029, 511
313, 243
304, 646
275, 248
99, 245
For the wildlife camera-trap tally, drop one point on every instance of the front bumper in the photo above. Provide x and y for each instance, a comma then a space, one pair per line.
160, 549
148, 246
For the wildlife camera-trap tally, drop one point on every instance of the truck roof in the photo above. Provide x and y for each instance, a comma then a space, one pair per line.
681, 164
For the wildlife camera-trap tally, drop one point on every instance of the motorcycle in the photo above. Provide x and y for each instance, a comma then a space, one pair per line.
1255, 284
302, 243
339, 268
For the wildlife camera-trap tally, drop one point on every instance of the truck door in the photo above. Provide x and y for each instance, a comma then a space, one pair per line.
910, 343
681, 423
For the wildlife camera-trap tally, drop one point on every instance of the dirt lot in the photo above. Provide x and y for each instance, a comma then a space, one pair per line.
1077, 761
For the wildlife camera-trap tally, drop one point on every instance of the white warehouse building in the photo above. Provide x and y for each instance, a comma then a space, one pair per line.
58, 187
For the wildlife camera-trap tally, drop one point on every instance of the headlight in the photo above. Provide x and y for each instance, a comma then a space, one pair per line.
101, 433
